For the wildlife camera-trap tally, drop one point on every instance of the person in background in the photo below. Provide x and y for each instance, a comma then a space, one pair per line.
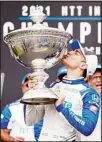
95, 79
13, 127
96, 82
61, 72
72, 111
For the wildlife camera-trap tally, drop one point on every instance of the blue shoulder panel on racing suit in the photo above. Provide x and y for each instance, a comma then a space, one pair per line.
90, 112
5, 117
6, 114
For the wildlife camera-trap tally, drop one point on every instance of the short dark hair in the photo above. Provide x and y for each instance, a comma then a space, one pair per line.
98, 69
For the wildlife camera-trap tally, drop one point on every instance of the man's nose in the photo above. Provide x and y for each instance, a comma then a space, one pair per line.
98, 79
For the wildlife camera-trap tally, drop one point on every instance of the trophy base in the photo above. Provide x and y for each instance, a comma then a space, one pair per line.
39, 101
39, 95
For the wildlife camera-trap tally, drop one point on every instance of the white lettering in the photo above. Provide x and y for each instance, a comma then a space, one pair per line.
68, 29
79, 10
90, 10
94, 10
72, 8
46, 24
64, 10
97, 11
26, 24
47, 10
99, 36
24, 10
85, 30
7, 27
32, 8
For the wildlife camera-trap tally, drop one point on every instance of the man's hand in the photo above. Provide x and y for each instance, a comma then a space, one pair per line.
5, 136
30, 83
62, 53
60, 101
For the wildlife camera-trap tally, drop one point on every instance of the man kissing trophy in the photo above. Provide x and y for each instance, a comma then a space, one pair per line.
38, 48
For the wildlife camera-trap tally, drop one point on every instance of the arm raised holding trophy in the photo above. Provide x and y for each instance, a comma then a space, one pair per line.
66, 107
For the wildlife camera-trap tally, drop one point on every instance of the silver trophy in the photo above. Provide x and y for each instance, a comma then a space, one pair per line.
38, 48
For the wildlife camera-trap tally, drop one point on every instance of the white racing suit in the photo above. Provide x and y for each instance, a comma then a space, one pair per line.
79, 112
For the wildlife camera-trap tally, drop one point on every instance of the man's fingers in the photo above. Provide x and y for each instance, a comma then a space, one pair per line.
60, 101
32, 83
32, 78
63, 53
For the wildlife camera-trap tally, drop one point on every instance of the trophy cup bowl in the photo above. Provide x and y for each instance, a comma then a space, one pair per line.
37, 48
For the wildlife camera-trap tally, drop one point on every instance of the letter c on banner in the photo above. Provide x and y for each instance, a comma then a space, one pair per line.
7, 27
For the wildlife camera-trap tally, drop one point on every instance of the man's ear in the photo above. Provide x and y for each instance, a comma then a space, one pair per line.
83, 66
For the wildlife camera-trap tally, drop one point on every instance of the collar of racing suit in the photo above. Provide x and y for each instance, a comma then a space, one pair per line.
76, 81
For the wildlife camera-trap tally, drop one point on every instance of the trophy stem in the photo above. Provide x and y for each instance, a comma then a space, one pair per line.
40, 94
38, 66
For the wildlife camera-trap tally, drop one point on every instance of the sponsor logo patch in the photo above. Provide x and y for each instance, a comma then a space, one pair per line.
93, 108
